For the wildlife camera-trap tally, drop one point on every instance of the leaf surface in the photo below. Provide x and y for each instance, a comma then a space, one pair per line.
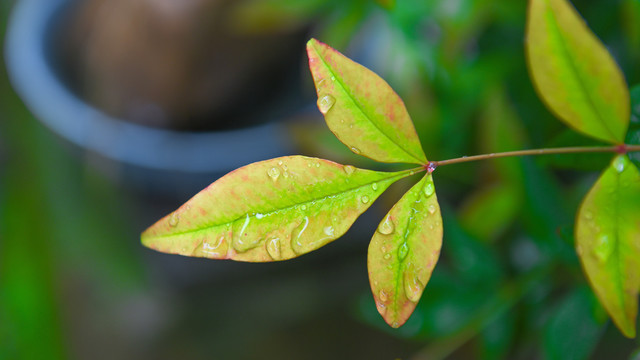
270, 210
404, 251
361, 109
573, 72
607, 241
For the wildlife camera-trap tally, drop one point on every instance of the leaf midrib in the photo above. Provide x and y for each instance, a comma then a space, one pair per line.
399, 175
406, 234
357, 104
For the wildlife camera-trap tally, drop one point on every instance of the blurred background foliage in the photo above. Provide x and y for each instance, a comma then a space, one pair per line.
75, 283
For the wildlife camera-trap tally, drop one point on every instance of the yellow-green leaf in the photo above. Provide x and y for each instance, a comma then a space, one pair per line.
361, 109
574, 73
608, 241
270, 210
404, 251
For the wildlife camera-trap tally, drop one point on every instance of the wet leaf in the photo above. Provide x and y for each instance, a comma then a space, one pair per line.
361, 109
404, 251
573, 72
607, 241
270, 210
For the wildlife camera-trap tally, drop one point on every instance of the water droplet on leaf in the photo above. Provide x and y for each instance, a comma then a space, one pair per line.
431, 209
374, 186
403, 251
383, 296
303, 207
412, 286
325, 103
364, 199
296, 236
387, 256
386, 227
603, 248
214, 250
429, 189
174, 218
273, 173
241, 240
620, 163
348, 169
329, 230
273, 248
355, 150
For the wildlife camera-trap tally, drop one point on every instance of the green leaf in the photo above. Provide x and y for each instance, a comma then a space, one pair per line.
573, 330
361, 109
404, 251
271, 210
573, 72
607, 236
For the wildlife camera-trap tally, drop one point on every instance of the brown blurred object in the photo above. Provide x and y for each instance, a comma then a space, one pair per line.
175, 63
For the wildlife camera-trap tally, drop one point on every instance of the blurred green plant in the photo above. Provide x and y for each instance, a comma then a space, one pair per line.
282, 208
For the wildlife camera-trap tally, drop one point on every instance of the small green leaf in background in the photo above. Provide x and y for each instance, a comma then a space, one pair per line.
404, 251
573, 330
573, 72
270, 210
607, 236
361, 109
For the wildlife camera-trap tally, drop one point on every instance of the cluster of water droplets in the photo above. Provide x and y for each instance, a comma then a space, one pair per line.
412, 285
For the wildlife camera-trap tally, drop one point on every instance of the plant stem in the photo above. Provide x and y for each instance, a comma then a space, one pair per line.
620, 149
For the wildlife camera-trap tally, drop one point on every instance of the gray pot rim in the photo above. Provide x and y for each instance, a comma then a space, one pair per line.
33, 78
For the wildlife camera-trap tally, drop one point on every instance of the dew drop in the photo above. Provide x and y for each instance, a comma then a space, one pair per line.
386, 227
383, 296
387, 256
259, 216
355, 150
620, 163
317, 164
364, 199
280, 163
241, 240
333, 78
174, 218
214, 250
273, 248
403, 251
329, 230
303, 207
325, 103
273, 173
296, 236
348, 169
429, 189
603, 248
395, 325
374, 186
412, 286
432, 209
